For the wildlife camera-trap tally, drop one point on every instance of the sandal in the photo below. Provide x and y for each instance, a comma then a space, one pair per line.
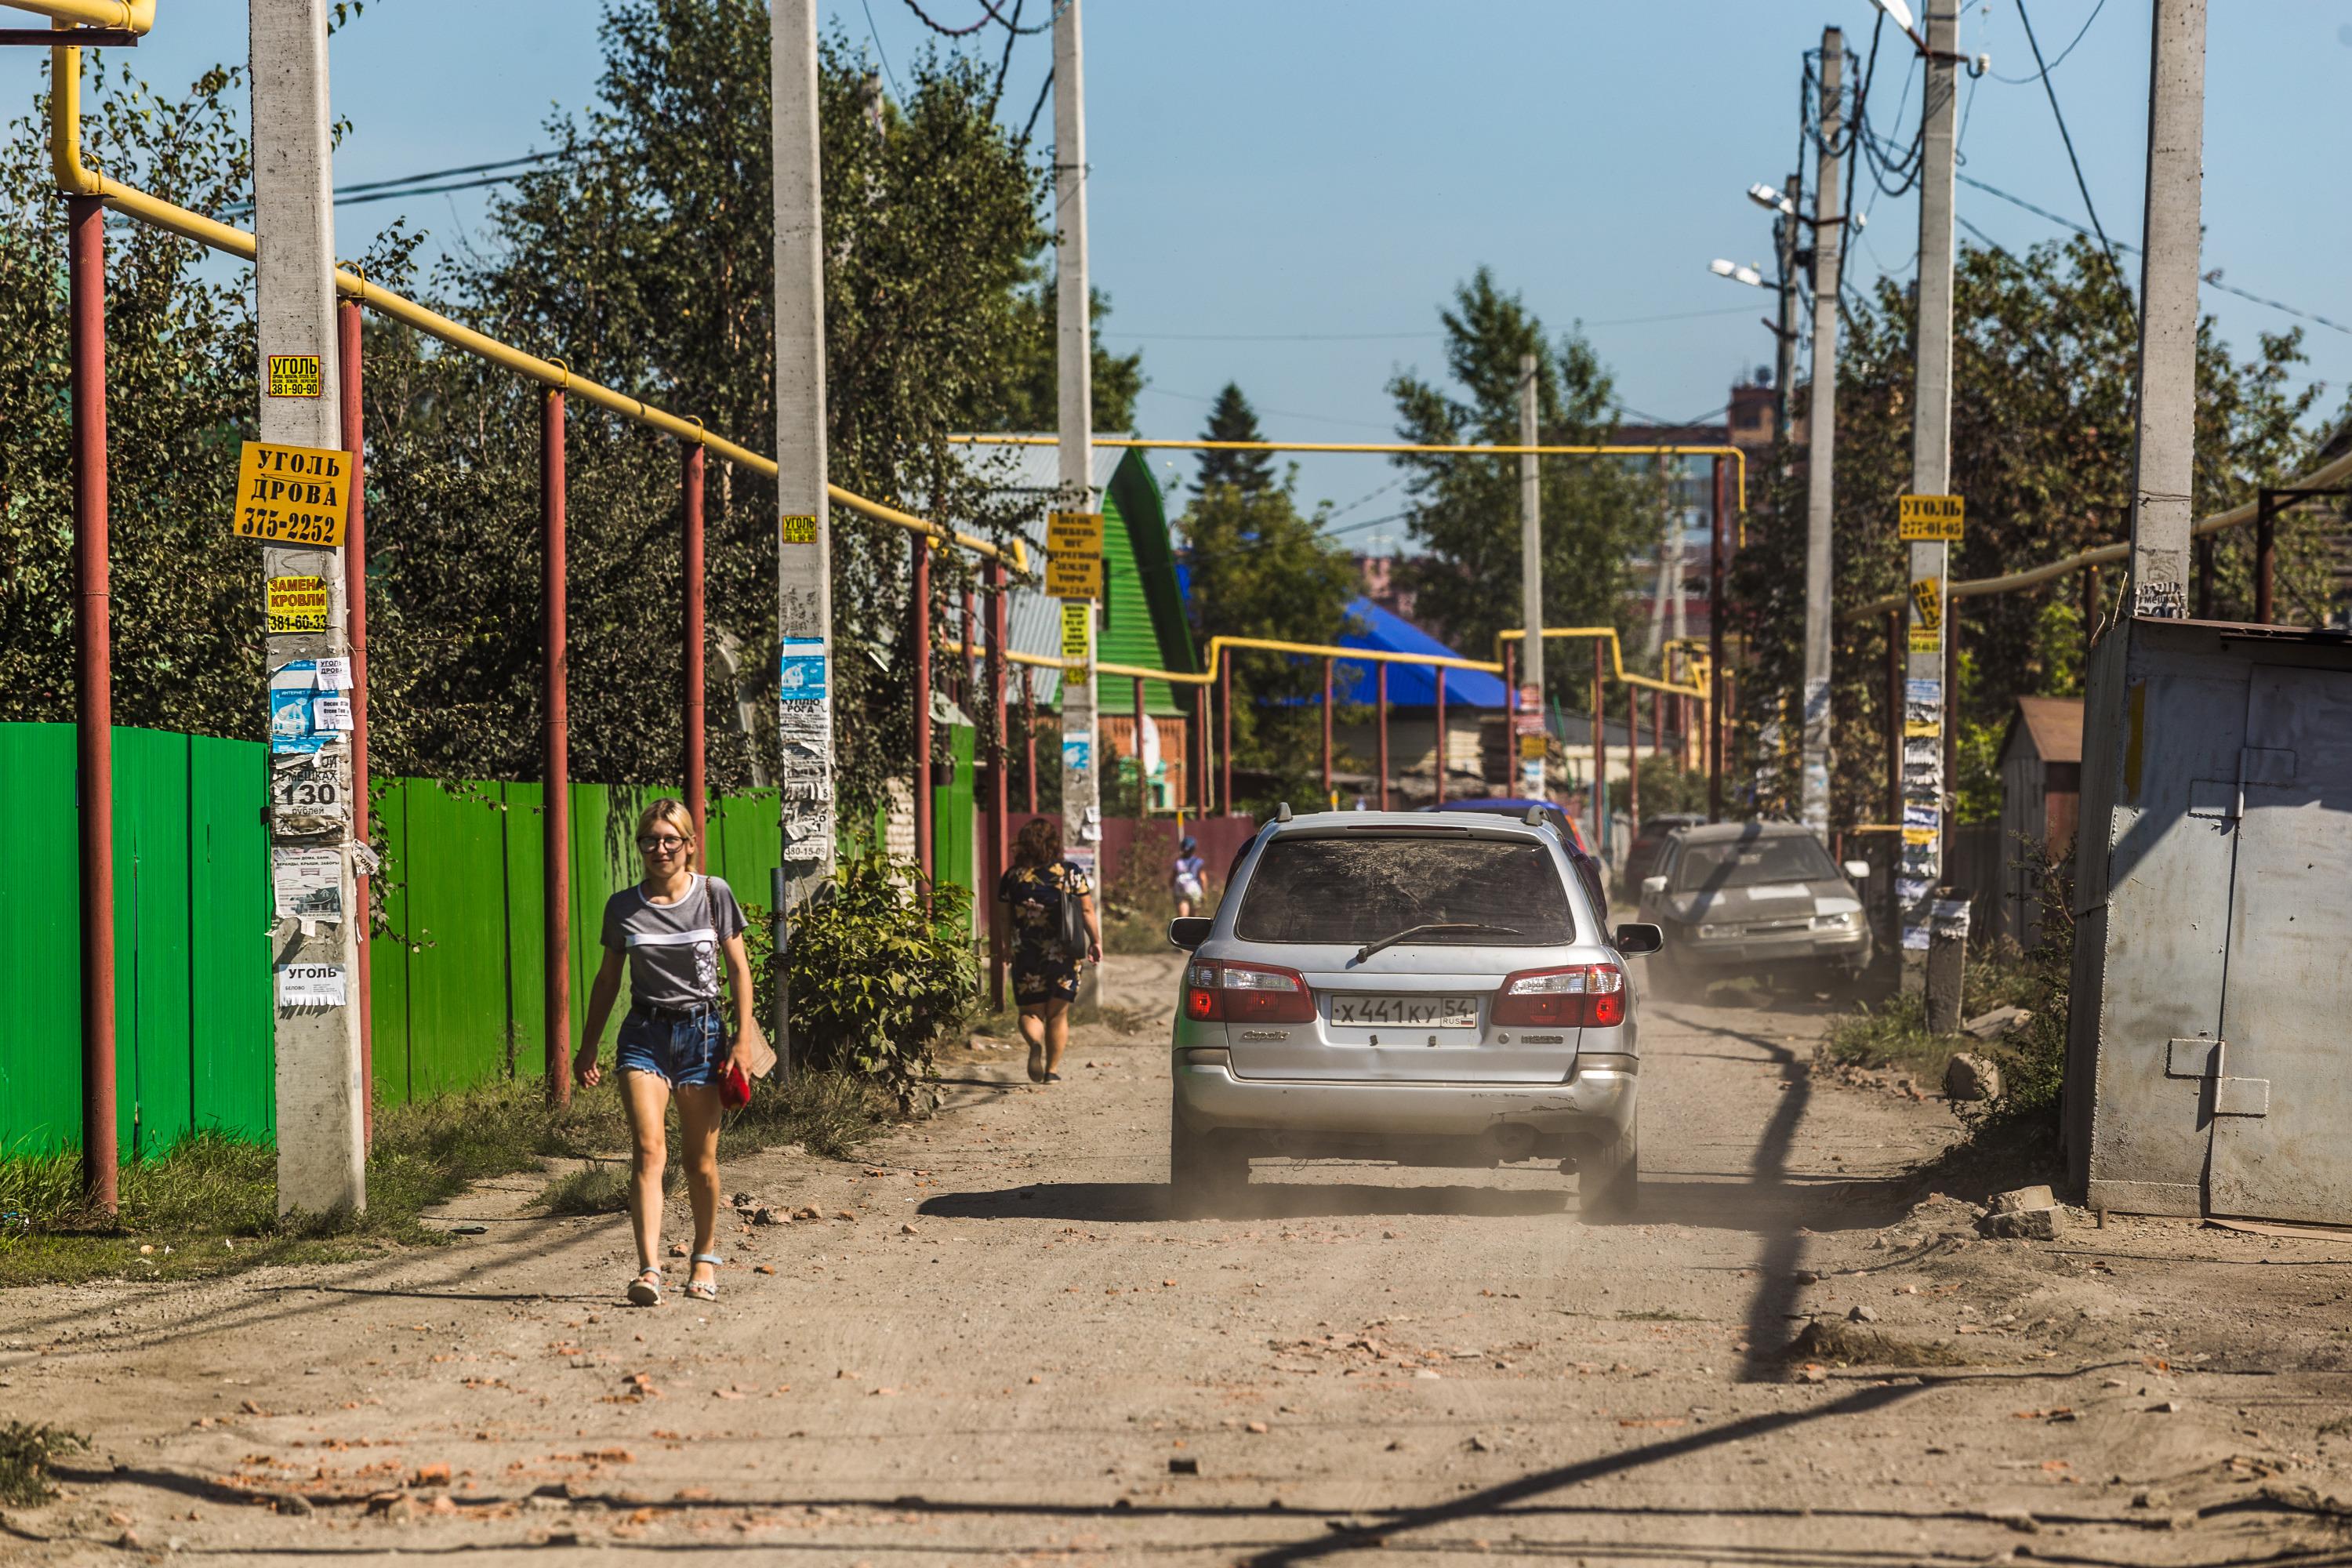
645, 1290
1036, 1064
696, 1288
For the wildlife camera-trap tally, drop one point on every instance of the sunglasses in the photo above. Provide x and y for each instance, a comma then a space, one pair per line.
667, 843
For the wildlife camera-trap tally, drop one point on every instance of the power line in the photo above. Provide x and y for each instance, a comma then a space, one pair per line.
989, 14
1044, 88
2080, 184
876, 34
2043, 73
2213, 279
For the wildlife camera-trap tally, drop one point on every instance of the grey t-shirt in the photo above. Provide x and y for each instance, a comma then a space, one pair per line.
673, 948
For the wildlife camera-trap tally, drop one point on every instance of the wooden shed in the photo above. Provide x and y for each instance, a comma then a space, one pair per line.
2040, 801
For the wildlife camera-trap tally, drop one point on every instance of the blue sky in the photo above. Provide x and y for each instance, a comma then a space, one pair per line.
1285, 191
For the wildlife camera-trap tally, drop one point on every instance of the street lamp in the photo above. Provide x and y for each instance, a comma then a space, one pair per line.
1772, 199
1737, 274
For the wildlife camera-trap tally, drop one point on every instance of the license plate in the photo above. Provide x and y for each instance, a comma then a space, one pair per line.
1406, 1012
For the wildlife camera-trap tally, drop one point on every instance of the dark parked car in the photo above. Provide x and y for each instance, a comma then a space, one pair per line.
1642, 857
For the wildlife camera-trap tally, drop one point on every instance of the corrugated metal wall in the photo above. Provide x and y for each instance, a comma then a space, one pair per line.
456, 984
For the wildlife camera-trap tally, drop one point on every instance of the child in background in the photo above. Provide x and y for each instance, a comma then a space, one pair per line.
1189, 876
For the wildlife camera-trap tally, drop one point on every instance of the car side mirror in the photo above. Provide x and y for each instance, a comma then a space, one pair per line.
1653, 884
1858, 870
1636, 937
1189, 932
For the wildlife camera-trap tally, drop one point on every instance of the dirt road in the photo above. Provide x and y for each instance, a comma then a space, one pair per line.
1009, 1354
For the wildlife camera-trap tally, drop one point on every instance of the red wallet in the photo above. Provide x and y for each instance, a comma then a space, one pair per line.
734, 1088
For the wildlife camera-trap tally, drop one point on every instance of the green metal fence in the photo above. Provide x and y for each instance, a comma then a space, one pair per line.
454, 982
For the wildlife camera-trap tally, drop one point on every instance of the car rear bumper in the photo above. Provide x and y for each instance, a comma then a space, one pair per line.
1602, 1095
1796, 947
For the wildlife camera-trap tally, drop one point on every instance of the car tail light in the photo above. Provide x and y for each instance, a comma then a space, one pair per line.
1246, 994
1582, 996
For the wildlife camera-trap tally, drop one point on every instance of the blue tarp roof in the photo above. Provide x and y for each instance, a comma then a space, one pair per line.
1409, 685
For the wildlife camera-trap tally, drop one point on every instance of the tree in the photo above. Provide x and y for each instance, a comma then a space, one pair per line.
1260, 569
1465, 510
1232, 419
1027, 395
2044, 347
185, 595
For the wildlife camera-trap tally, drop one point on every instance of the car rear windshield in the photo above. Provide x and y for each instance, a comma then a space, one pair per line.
1744, 862
1357, 889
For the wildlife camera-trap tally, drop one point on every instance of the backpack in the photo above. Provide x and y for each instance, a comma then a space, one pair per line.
1075, 937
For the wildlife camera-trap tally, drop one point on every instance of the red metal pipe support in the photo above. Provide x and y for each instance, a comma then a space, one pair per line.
1381, 701
968, 672
1600, 756
1201, 702
93, 695
697, 779
2266, 556
348, 368
1326, 730
1716, 719
1029, 729
1225, 737
1633, 760
1000, 843
1142, 784
557, 766
1440, 769
919, 654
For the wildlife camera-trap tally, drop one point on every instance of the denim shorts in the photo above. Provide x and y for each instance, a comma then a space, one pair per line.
684, 1050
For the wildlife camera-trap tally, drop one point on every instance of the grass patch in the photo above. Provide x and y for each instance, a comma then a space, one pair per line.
210, 1206
1893, 1035
597, 1189
26, 1451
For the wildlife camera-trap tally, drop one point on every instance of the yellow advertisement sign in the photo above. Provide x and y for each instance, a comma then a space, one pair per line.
1074, 533
1925, 641
1921, 729
1074, 576
1930, 518
292, 495
1928, 599
295, 375
799, 530
1531, 748
296, 603
1075, 622
1920, 835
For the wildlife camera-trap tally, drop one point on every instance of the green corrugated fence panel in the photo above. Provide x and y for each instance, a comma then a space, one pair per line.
388, 965
231, 1011
151, 939
951, 815
40, 949
746, 841
525, 862
457, 993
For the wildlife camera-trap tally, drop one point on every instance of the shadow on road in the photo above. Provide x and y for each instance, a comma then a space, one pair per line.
1142, 1202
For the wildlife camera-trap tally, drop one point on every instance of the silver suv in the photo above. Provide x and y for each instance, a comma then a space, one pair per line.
1430, 990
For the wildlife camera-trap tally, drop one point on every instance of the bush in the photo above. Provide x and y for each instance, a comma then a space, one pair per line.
876, 978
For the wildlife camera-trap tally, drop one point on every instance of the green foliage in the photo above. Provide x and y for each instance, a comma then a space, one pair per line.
595, 1189
186, 598
875, 979
1667, 786
1465, 511
1230, 419
2044, 350
1261, 569
1028, 396
26, 1451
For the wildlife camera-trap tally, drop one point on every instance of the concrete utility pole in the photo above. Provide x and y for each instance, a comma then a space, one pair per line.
2165, 445
1926, 788
322, 1103
1531, 659
1820, 475
1784, 354
1074, 356
804, 530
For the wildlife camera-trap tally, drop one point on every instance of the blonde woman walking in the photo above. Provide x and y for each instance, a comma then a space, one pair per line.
672, 929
